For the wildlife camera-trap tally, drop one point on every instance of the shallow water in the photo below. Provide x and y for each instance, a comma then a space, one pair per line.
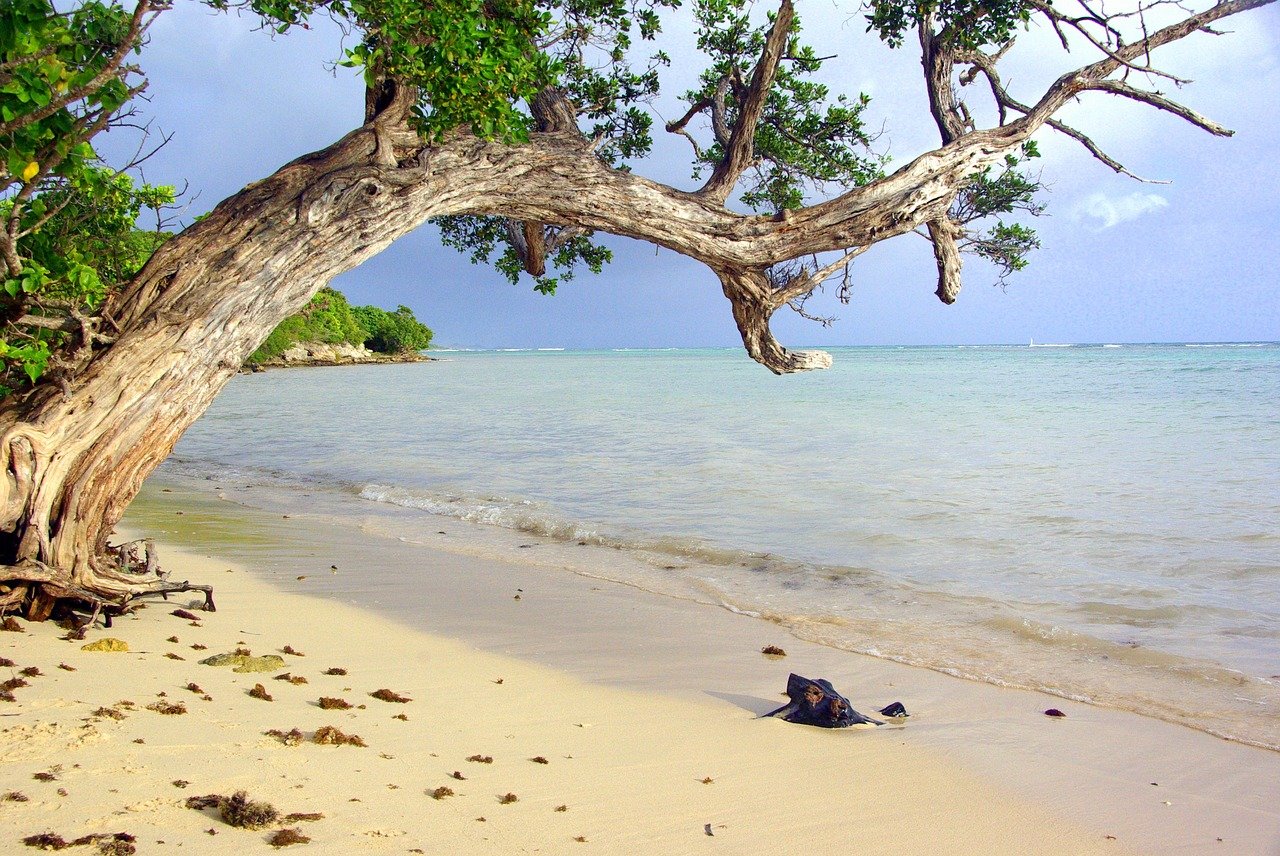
1099, 522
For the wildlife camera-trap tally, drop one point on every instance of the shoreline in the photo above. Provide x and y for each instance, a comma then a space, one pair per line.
588, 765
1087, 776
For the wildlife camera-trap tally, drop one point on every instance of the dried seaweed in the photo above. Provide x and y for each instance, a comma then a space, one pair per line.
508, 799
328, 703
292, 737
481, 759
239, 810
206, 801
168, 708
388, 695
285, 837
441, 792
260, 692
335, 671
327, 735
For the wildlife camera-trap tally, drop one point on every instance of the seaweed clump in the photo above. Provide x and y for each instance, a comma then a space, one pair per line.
442, 792
239, 810
110, 844
292, 737
773, 651
328, 703
388, 695
327, 735
168, 708
260, 692
335, 671
285, 837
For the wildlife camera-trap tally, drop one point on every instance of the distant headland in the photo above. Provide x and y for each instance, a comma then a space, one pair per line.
329, 331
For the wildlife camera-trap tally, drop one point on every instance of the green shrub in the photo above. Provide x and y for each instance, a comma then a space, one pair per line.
393, 332
329, 318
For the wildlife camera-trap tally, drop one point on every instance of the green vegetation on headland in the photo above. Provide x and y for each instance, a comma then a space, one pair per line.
331, 320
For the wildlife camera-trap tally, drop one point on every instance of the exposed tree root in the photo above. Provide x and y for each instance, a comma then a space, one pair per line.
105, 592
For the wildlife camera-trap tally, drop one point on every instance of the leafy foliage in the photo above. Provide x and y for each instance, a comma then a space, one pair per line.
1005, 245
69, 235
484, 237
471, 61
331, 319
395, 332
963, 23
806, 140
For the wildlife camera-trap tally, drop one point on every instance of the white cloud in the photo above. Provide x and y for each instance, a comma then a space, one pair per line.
1108, 211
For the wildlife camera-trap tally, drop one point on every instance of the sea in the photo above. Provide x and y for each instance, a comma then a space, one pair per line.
1098, 522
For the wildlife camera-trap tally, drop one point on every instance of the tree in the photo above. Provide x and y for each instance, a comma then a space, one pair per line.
526, 114
395, 332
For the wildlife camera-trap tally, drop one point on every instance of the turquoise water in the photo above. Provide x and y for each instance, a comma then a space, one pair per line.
1099, 522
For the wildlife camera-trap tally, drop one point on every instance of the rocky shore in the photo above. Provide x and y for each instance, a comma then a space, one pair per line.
325, 354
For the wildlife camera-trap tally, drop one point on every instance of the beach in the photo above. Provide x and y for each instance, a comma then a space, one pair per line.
618, 719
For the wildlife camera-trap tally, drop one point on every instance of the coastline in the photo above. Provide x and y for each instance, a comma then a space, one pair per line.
669, 689
630, 768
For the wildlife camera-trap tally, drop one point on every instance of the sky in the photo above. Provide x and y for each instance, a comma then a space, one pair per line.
1122, 261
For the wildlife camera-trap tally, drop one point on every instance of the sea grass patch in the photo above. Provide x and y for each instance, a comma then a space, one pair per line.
243, 662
